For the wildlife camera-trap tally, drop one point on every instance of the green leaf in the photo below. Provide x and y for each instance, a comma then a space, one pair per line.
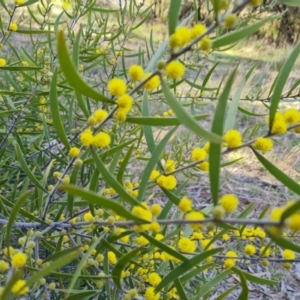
59, 263
185, 118
79, 294
54, 108
184, 267
28, 3
253, 278
120, 266
212, 283
124, 164
82, 263
152, 163
215, 149
281, 80
9, 68
244, 295
174, 10
290, 2
250, 113
71, 74
226, 293
278, 174
290, 210
24, 31
111, 181
164, 247
62, 253
199, 87
14, 214
239, 34
93, 198
104, 10
178, 285
150, 121
285, 243
233, 108
25, 168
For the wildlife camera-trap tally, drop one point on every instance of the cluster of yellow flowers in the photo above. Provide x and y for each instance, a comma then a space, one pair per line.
184, 35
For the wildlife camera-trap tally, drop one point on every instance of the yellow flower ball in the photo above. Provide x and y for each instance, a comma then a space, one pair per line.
233, 138
92, 121
185, 34
185, 205
197, 30
2, 62
155, 227
117, 87
228, 263
288, 254
154, 279
88, 217
195, 215
136, 72
19, 2
279, 126
20, 288
155, 209
294, 222
120, 115
101, 140
249, 249
13, 27
154, 175
204, 166
74, 152
291, 116
169, 165
230, 21
151, 295
167, 182
112, 257
4, 266
263, 144
100, 115
205, 44
198, 154
276, 213
264, 253
86, 137
124, 102
19, 260
229, 202
152, 83
175, 69
186, 245
175, 41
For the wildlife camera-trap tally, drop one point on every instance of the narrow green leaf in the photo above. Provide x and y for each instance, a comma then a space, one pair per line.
212, 283
291, 2
184, 267
253, 278
174, 10
244, 295
79, 294
104, 10
14, 213
185, 118
242, 33
59, 263
71, 74
290, 210
152, 163
199, 87
61, 253
25, 31
25, 168
233, 108
150, 121
285, 243
281, 80
124, 164
111, 181
215, 149
278, 174
164, 247
29, 2
9, 68
93, 198
121, 264
54, 107
178, 285
226, 293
